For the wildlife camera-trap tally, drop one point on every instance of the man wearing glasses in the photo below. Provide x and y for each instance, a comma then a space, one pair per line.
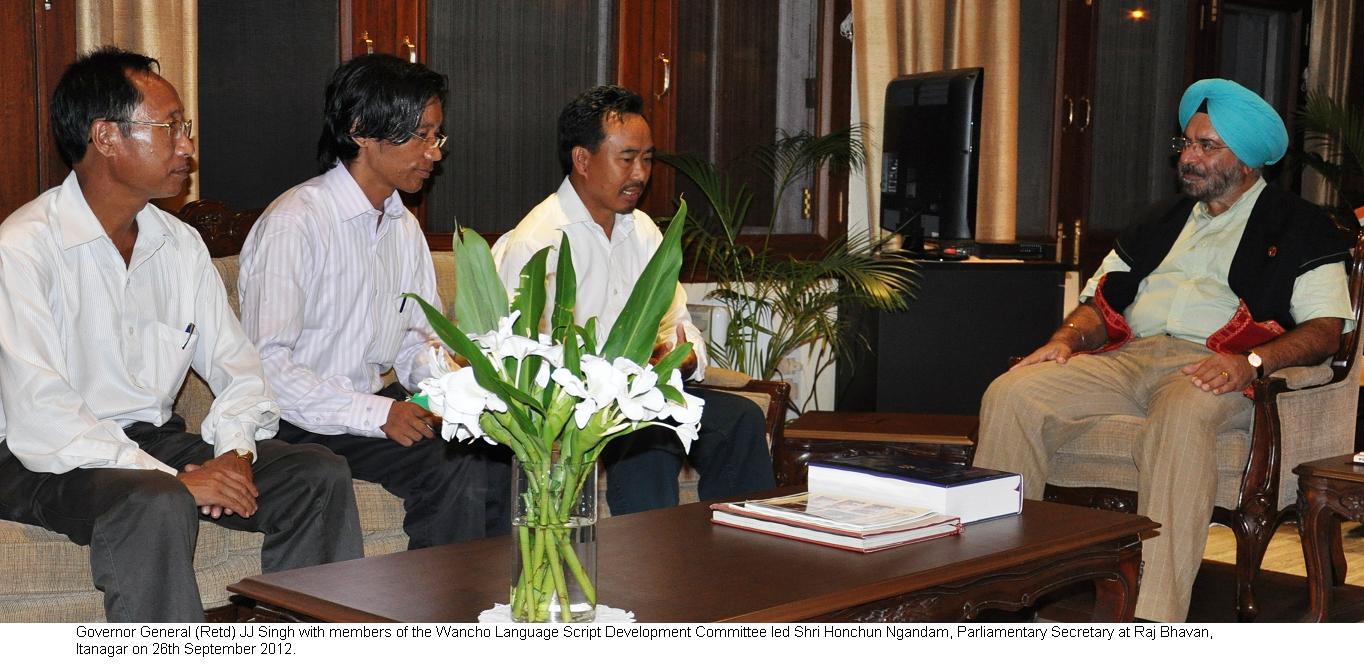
1232, 282
105, 303
322, 277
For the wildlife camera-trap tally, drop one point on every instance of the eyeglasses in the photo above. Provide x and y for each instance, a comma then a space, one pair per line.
176, 128
1199, 146
436, 140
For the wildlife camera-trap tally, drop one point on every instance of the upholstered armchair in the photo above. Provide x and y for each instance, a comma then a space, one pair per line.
1301, 414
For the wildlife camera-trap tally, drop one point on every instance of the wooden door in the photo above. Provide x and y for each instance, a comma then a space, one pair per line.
646, 48
1071, 135
709, 76
39, 42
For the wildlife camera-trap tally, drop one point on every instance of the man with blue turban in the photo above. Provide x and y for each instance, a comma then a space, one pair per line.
1231, 282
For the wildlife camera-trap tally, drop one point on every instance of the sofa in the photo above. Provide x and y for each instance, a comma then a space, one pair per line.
46, 578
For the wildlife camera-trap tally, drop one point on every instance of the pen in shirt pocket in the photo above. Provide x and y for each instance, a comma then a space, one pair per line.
189, 335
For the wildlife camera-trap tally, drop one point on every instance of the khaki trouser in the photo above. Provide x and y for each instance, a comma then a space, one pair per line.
1028, 413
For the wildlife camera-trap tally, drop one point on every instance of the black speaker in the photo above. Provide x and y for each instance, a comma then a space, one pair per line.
966, 320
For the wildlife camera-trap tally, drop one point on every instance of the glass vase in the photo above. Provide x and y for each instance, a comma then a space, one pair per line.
554, 528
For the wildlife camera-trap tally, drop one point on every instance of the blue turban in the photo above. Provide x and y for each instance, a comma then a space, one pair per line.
1251, 128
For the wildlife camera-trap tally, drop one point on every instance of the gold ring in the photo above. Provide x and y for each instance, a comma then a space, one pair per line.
1225, 375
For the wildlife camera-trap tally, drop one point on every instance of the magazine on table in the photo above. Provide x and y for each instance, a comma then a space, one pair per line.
841, 522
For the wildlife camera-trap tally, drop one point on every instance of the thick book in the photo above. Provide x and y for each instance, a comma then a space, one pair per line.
840, 522
971, 493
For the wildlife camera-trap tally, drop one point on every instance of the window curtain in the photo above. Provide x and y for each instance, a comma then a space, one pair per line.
167, 30
896, 37
1328, 72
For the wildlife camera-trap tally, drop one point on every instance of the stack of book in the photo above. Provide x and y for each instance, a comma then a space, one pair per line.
970, 493
873, 502
840, 522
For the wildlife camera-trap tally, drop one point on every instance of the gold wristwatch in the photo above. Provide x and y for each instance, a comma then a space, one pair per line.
245, 454
1256, 362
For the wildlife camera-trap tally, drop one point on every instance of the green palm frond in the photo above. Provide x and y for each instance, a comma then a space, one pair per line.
1333, 146
779, 304
1323, 117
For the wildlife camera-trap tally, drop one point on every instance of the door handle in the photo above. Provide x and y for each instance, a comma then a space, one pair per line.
1070, 111
667, 76
1089, 108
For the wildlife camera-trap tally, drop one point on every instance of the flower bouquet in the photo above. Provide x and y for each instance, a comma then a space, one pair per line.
556, 400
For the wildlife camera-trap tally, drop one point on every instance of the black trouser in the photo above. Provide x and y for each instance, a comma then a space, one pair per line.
141, 525
730, 455
452, 491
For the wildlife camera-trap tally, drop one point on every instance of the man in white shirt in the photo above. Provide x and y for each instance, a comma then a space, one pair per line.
606, 150
105, 303
322, 276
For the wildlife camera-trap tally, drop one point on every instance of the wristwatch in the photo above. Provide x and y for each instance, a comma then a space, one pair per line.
1256, 362
245, 454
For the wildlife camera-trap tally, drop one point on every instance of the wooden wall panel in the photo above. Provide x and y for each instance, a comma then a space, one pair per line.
512, 66
263, 71
36, 45
18, 106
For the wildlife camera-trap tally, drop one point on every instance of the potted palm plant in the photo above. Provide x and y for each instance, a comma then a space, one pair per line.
779, 304
1334, 148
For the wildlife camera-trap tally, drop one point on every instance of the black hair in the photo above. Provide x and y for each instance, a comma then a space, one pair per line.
580, 123
374, 96
95, 86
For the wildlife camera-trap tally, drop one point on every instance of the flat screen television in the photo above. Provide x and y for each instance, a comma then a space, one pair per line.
929, 157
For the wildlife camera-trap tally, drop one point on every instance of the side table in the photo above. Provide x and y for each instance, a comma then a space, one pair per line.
1328, 490
828, 435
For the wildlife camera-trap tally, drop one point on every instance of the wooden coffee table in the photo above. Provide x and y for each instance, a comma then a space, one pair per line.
673, 565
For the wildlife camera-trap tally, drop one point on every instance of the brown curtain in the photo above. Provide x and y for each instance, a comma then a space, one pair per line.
1328, 72
167, 30
896, 37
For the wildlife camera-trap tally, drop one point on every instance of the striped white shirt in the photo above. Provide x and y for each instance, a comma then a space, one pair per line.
322, 274
92, 345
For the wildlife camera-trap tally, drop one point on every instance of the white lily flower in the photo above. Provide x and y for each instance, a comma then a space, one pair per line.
675, 379
604, 381
689, 413
440, 360
502, 343
458, 398
641, 400
686, 433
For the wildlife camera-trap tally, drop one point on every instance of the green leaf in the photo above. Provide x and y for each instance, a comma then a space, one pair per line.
636, 329
480, 298
484, 371
565, 292
672, 361
530, 295
589, 333
572, 354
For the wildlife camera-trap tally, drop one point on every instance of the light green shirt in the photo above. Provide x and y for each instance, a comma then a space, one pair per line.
1187, 296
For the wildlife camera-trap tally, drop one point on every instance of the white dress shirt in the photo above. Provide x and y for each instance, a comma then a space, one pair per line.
91, 344
321, 284
607, 268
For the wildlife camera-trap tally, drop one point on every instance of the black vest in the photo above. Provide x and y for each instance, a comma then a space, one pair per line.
1284, 238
